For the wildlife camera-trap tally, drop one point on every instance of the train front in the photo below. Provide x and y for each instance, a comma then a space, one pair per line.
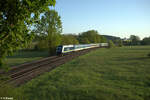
59, 50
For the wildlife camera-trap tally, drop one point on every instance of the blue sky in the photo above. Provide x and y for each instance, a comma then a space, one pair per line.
109, 17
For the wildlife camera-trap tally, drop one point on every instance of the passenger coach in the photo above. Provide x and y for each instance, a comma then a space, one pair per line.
62, 49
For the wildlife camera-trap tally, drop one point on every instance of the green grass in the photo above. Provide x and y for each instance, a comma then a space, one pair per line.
25, 56
104, 74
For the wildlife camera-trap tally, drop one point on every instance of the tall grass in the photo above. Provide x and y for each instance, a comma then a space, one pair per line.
25, 56
104, 74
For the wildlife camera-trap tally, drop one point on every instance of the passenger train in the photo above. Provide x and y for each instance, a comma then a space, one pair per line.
63, 49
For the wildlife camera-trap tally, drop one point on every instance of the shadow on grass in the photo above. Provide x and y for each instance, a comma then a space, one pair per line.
131, 58
138, 49
29, 54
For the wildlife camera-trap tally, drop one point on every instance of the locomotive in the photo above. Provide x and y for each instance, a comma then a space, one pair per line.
63, 49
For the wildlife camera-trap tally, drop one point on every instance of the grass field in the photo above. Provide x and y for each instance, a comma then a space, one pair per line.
25, 56
104, 74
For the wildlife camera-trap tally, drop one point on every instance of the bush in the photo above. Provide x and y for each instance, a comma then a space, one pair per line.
41, 45
30, 46
111, 44
120, 44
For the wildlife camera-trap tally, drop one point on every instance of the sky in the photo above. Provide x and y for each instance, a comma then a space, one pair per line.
120, 18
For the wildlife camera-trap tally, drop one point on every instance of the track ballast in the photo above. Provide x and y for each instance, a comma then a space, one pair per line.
27, 71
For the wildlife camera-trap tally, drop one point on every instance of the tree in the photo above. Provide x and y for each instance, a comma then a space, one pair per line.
92, 36
146, 41
111, 44
126, 41
84, 40
41, 45
103, 39
135, 40
16, 18
50, 26
118, 42
68, 39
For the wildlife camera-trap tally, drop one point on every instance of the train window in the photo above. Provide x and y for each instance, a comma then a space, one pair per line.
65, 49
71, 48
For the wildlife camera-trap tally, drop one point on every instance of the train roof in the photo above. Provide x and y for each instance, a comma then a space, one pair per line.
78, 44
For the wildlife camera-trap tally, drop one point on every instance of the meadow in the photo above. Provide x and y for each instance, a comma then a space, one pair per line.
23, 56
104, 74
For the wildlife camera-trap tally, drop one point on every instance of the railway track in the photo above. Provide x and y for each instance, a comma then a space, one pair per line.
25, 72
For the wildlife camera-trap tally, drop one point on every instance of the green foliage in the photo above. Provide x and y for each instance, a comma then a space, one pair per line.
90, 36
119, 43
111, 44
84, 40
104, 74
50, 27
41, 45
15, 23
135, 40
54, 39
127, 42
30, 46
103, 39
69, 39
113, 38
146, 41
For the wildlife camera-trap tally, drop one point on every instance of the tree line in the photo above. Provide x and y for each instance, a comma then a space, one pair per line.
40, 42
135, 40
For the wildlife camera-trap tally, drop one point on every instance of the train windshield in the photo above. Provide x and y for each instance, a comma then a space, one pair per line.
59, 48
